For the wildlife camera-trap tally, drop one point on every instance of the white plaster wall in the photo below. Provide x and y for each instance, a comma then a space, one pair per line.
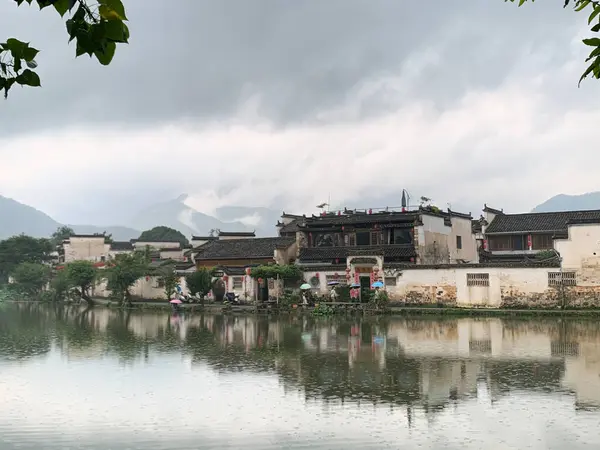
113, 253
462, 227
88, 249
426, 281
141, 245
582, 248
175, 254
526, 281
246, 288
232, 238
145, 289
446, 284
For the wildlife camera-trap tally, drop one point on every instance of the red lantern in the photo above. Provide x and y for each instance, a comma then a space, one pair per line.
370, 211
347, 269
343, 228
147, 278
412, 259
339, 213
317, 275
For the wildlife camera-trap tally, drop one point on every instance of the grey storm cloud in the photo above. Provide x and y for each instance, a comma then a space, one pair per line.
201, 59
282, 103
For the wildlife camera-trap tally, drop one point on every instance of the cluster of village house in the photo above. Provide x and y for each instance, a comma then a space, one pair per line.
424, 255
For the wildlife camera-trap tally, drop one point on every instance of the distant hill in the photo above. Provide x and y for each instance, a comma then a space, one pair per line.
17, 218
176, 214
117, 232
564, 202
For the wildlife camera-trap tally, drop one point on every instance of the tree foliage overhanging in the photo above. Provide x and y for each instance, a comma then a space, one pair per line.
283, 272
95, 28
593, 7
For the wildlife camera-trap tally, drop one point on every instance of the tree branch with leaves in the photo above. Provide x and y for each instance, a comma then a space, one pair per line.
95, 28
593, 7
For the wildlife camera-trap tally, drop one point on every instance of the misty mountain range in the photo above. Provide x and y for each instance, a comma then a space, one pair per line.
17, 218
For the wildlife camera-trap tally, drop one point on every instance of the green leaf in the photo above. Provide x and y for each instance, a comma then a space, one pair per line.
582, 5
596, 28
112, 10
31, 64
17, 65
593, 42
62, 6
30, 53
8, 82
15, 47
116, 31
594, 13
106, 55
3, 68
29, 78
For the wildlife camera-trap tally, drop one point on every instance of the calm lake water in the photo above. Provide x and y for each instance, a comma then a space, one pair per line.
102, 379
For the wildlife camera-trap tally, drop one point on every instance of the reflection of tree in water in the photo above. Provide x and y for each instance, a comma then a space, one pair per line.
292, 348
23, 332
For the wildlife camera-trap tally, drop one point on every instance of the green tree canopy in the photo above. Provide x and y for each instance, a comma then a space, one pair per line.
31, 278
82, 275
95, 28
163, 234
20, 249
593, 8
199, 282
61, 233
283, 272
123, 272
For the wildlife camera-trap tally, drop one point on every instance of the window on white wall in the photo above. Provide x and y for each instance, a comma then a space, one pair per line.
238, 282
568, 279
390, 281
340, 279
478, 279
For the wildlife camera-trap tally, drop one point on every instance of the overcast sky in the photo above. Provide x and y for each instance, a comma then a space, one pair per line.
282, 103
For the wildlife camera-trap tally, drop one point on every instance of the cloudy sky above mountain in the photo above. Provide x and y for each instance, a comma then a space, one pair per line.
282, 103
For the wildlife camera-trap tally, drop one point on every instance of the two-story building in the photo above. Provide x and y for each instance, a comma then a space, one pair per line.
514, 237
361, 247
235, 257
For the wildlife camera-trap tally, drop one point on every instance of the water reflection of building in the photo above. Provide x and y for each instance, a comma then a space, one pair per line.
399, 361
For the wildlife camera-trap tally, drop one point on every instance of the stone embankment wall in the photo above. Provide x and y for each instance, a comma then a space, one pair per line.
493, 287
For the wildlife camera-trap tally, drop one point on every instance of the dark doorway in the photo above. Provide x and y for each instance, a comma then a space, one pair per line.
365, 289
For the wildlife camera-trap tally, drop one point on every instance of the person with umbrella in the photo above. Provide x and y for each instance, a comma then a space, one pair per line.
305, 288
333, 295
175, 304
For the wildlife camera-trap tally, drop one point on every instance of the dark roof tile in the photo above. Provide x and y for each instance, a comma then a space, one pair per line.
255, 248
121, 246
549, 222
328, 253
237, 233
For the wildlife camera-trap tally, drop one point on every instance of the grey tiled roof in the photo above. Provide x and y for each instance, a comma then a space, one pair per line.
360, 218
121, 246
327, 253
550, 222
255, 248
237, 233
